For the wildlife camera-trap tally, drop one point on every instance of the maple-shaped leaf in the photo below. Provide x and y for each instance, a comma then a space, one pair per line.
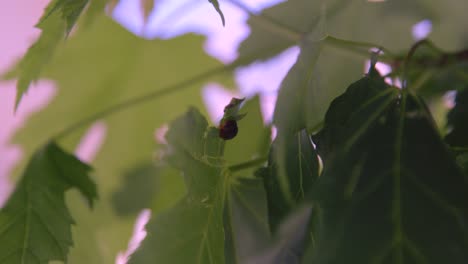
59, 18
35, 224
127, 62
390, 191
69, 11
194, 225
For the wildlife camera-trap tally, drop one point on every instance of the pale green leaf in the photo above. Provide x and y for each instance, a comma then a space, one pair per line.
35, 224
194, 225
153, 186
99, 67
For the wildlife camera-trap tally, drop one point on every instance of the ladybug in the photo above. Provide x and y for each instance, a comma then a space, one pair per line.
228, 129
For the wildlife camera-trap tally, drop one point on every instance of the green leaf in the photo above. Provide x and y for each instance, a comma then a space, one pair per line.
283, 25
388, 181
59, 18
299, 104
269, 41
154, 186
302, 169
138, 189
35, 224
194, 224
69, 11
246, 220
128, 67
216, 6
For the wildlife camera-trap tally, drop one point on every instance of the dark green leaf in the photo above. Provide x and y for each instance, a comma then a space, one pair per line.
302, 169
35, 224
246, 220
195, 224
390, 192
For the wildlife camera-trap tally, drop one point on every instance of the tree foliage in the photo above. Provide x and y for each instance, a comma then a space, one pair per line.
359, 171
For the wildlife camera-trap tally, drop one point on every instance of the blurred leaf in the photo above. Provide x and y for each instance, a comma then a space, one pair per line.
302, 169
194, 224
377, 186
100, 67
287, 14
299, 104
35, 224
59, 18
246, 220
282, 25
216, 6
139, 187
69, 10
289, 243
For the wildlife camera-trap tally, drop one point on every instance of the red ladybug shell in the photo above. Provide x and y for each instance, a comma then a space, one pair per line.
228, 129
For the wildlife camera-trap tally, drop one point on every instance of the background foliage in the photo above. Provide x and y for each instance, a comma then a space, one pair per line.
386, 188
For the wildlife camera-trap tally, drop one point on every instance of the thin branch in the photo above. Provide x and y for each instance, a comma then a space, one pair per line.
142, 99
248, 164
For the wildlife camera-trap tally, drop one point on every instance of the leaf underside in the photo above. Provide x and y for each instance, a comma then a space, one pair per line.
390, 191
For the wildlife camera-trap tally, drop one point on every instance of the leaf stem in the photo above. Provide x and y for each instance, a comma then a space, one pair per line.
357, 46
247, 164
142, 99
